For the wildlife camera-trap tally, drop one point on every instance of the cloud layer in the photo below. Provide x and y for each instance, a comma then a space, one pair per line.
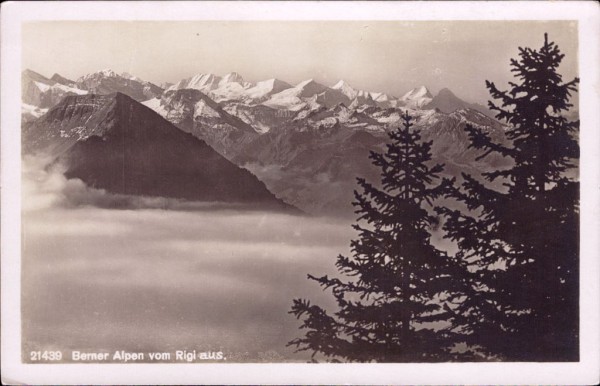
155, 279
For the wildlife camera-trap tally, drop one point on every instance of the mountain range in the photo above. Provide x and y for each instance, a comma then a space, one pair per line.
306, 142
113, 142
38, 93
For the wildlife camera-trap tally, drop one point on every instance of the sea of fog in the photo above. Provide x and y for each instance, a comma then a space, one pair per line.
162, 275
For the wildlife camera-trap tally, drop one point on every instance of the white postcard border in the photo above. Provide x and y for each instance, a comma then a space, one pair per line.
585, 372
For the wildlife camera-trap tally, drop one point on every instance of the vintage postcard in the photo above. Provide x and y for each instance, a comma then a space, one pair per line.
312, 192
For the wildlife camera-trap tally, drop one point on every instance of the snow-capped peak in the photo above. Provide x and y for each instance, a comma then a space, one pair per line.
277, 84
106, 73
305, 83
292, 98
202, 82
266, 87
346, 89
417, 92
207, 78
309, 88
269, 82
341, 85
380, 97
233, 77
417, 97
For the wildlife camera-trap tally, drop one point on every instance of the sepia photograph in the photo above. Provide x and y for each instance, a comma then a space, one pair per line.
235, 190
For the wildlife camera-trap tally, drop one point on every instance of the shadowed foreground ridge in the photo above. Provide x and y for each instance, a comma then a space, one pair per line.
113, 142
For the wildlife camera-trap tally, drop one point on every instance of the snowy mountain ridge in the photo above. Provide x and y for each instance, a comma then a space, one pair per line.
282, 95
233, 88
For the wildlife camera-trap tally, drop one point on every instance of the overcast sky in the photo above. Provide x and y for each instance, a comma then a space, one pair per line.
392, 57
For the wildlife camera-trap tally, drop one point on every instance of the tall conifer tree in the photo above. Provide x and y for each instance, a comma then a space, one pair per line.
392, 290
522, 242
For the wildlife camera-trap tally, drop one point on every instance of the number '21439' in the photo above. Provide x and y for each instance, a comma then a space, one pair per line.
45, 355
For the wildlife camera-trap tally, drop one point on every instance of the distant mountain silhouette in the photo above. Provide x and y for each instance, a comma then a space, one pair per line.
446, 102
62, 80
40, 92
108, 81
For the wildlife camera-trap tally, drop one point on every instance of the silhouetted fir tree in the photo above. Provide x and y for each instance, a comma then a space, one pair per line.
391, 299
522, 242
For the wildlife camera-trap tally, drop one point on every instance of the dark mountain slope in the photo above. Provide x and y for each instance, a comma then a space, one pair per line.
113, 142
